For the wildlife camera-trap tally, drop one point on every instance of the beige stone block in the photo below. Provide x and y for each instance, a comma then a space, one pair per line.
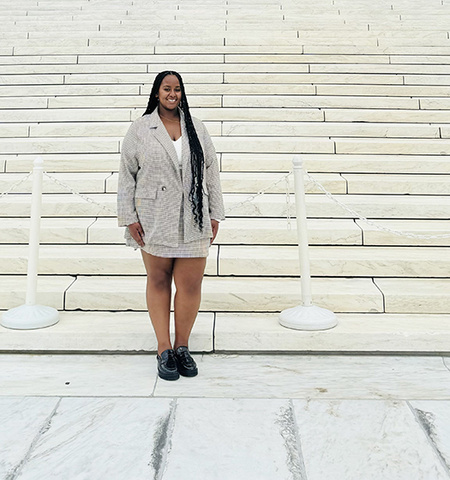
328, 129
385, 69
445, 131
338, 261
393, 146
62, 205
82, 182
432, 227
13, 131
66, 69
50, 290
258, 114
435, 103
91, 129
313, 78
103, 332
319, 102
398, 184
33, 79
278, 144
53, 145
426, 79
374, 333
229, 294
149, 59
384, 90
138, 78
84, 260
421, 59
415, 295
123, 101
276, 183
68, 90
150, 39
267, 231
254, 162
53, 230
27, 60
71, 50
319, 206
391, 116
235, 49
66, 115
309, 59
251, 89
65, 162
22, 102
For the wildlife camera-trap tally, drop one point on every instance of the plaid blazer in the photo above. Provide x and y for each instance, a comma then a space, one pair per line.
152, 188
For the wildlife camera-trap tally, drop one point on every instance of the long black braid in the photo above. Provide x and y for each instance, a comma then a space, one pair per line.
197, 157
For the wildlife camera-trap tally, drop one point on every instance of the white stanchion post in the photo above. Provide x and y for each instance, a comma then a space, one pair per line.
31, 315
306, 316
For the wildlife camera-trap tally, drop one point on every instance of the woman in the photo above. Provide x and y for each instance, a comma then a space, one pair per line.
170, 200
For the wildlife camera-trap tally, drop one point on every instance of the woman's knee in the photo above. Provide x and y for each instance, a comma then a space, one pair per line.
160, 279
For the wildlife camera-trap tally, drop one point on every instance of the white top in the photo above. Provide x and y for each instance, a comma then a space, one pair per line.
177, 145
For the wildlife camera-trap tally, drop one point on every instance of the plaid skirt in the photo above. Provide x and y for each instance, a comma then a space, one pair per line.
195, 249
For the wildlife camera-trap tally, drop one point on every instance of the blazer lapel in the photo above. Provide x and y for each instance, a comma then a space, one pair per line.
164, 139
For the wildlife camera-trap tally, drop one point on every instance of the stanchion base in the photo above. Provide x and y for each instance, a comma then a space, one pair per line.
28, 317
308, 318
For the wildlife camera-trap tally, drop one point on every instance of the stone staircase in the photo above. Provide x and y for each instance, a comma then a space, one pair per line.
361, 92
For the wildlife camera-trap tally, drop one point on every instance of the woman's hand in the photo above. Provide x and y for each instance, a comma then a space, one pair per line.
215, 229
137, 233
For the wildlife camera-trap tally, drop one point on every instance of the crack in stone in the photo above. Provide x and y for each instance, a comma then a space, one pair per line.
426, 420
163, 441
15, 472
288, 430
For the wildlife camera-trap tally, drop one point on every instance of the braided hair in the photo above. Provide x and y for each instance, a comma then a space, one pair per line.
197, 157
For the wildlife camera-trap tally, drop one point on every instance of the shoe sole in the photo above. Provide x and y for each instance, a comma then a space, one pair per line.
189, 374
168, 376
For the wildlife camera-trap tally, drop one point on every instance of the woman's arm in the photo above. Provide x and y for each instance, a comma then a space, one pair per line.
126, 211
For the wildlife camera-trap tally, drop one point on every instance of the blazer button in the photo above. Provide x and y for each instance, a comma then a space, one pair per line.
163, 189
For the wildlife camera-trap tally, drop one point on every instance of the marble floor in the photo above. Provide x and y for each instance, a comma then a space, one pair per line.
274, 417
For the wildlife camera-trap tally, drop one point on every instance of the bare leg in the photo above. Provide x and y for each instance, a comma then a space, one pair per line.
159, 286
188, 276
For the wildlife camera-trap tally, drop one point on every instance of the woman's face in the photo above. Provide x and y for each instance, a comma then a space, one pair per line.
169, 93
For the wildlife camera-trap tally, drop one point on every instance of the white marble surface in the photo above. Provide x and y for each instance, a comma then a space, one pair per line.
375, 333
128, 332
77, 375
231, 376
101, 438
434, 417
21, 420
415, 295
317, 377
364, 440
231, 438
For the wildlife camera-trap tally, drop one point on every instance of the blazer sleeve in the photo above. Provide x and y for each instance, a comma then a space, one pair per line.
216, 207
126, 211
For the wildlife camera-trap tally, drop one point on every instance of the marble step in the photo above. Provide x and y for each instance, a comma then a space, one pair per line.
228, 294
344, 163
335, 261
118, 293
248, 231
238, 231
251, 260
244, 162
243, 205
130, 332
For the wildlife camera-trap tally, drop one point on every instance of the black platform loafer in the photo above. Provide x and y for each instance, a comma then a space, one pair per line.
186, 364
167, 365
